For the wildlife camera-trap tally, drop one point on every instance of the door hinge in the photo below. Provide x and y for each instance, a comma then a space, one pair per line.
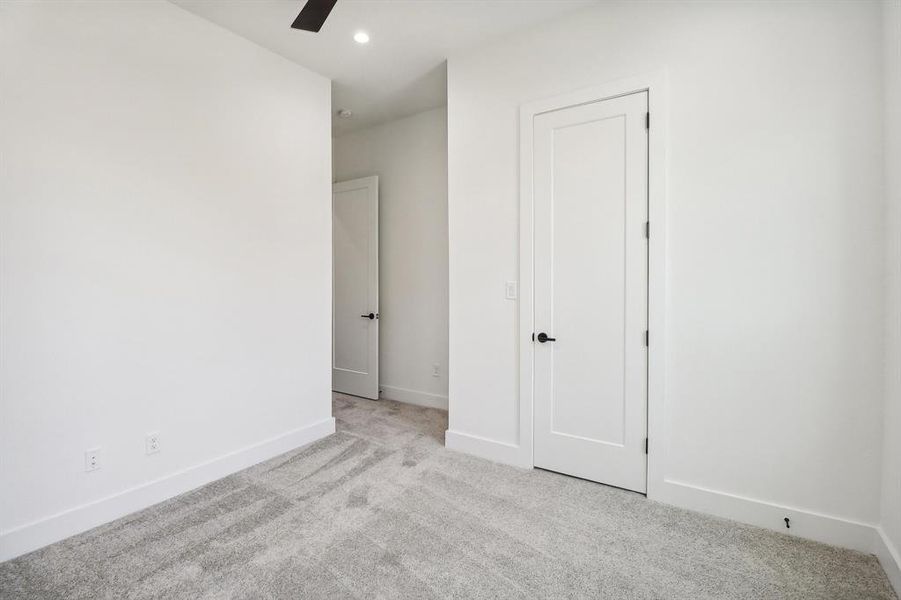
647, 337
647, 229
647, 120
645, 445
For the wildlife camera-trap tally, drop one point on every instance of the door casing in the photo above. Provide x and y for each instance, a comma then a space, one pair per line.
655, 85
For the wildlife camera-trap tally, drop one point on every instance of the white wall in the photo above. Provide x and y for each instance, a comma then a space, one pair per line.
410, 157
890, 550
166, 258
774, 257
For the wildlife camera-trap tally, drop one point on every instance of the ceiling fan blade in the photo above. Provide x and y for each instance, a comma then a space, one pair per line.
313, 15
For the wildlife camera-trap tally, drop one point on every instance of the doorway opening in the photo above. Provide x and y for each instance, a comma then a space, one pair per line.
390, 271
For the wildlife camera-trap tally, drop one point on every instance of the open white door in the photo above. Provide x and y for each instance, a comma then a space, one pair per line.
355, 293
591, 290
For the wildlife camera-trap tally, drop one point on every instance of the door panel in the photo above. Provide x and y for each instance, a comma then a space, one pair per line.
355, 287
590, 186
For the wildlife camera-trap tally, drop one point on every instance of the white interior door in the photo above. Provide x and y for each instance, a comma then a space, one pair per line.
355, 293
590, 291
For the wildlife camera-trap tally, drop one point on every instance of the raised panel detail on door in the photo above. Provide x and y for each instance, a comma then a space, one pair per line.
590, 294
355, 364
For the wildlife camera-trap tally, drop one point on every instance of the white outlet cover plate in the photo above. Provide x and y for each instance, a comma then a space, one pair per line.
152, 443
92, 459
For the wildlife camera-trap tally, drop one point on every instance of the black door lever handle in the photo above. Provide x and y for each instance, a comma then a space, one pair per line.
370, 316
542, 337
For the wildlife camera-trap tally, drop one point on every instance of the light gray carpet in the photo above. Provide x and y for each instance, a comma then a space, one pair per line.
382, 510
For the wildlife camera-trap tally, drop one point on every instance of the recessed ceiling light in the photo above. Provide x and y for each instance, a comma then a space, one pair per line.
361, 37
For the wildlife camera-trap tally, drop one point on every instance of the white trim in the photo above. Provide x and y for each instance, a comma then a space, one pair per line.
889, 558
828, 529
656, 86
37, 534
390, 392
501, 452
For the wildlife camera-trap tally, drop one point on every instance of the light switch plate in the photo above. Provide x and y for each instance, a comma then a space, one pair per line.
510, 290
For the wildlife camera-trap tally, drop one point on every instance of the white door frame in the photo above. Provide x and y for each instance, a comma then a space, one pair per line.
655, 85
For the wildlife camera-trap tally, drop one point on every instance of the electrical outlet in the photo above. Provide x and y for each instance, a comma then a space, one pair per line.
92, 459
436, 370
152, 443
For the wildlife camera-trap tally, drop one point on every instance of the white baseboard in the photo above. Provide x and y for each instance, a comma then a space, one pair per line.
890, 559
502, 452
828, 529
390, 392
37, 534
819, 527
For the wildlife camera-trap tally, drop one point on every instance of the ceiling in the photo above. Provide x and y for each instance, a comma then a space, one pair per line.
402, 70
